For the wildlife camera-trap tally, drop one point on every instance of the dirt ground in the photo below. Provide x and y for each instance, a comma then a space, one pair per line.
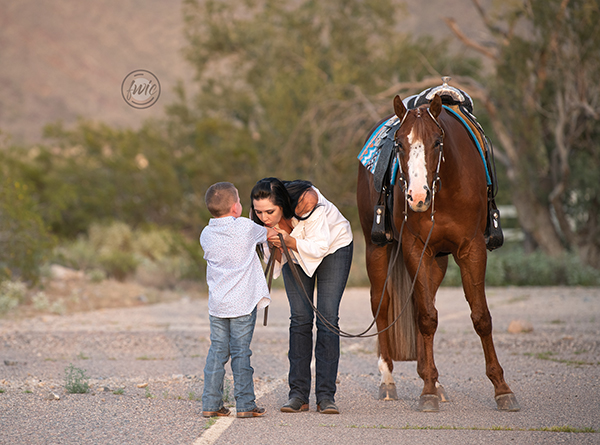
145, 362
67, 291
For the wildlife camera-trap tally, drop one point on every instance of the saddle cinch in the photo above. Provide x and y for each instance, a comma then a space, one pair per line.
377, 156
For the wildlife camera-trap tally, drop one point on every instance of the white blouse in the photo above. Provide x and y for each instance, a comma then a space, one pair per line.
324, 232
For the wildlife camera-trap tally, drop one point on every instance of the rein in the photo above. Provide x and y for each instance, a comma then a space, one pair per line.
269, 277
328, 325
436, 185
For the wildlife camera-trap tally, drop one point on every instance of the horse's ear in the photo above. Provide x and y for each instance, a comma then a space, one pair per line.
435, 106
399, 107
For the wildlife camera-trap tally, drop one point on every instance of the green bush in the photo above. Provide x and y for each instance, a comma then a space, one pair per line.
76, 380
24, 242
154, 244
96, 275
116, 236
118, 264
79, 254
512, 267
156, 256
163, 273
40, 301
12, 293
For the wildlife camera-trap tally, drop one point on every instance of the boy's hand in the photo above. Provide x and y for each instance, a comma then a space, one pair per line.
271, 233
272, 237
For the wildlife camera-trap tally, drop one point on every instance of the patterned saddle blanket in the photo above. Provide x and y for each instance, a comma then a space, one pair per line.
455, 101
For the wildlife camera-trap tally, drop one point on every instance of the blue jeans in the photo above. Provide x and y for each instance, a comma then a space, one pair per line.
330, 277
229, 337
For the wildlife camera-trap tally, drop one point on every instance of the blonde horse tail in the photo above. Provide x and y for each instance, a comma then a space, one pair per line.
402, 337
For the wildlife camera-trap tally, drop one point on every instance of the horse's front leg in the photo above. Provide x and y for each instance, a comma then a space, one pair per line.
377, 265
472, 269
429, 277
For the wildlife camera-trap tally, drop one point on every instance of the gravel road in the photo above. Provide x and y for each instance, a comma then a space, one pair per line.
145, 371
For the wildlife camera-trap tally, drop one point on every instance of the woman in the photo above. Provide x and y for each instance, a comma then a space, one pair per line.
320, 239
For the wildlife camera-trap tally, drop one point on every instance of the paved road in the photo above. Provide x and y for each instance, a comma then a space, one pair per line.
145, 367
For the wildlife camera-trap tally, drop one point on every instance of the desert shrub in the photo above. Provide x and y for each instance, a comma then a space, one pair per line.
40, 301
96, 275
163, 273
76, 380
512, 267
24, 241
154, 244
116, 236
577, 274
79, 254
118, 264
12, 293
157, 257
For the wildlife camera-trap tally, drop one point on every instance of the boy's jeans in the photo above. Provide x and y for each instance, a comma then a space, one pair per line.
331, 277
229, 337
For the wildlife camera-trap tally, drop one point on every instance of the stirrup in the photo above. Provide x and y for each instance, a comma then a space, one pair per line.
381, 232
494, 237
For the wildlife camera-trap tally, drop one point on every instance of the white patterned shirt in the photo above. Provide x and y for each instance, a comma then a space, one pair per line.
235, 278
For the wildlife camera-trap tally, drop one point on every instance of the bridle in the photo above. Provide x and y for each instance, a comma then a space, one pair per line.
436, 184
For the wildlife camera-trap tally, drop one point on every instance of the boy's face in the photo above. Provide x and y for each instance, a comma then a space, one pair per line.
237, 207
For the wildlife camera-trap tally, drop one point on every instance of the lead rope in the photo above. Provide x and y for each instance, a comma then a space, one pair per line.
329, 325
269, 277
437, 183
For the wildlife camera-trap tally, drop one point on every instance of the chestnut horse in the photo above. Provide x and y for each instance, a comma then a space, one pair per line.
439, 208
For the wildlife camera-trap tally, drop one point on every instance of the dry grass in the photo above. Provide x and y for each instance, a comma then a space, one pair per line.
79, 294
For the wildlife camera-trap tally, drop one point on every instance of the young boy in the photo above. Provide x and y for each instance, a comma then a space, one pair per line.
236, 288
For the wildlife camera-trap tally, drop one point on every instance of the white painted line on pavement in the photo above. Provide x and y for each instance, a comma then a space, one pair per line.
211, 435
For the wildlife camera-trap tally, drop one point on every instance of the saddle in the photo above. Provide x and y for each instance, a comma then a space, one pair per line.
377, 156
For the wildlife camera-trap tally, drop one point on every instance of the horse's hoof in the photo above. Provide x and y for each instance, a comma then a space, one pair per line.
429, 403
507, 402
387, 391
441, 392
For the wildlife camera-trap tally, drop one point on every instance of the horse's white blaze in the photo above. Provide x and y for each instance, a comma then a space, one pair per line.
386, 374
417, 169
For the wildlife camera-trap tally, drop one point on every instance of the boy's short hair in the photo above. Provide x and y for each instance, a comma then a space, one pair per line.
220, 197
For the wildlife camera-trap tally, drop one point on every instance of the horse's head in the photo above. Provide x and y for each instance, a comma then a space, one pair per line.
419, 141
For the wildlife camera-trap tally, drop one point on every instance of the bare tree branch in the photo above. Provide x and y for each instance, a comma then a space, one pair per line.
486, 20
560, 186
467, 41
367, 103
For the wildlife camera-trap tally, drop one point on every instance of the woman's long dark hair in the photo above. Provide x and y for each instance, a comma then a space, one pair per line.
274, 190
284, 194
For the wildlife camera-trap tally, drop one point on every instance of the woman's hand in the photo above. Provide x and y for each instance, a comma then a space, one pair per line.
307, 202
290, 241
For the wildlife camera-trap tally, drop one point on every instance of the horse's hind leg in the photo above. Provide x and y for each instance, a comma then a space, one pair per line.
377, 264
473, 277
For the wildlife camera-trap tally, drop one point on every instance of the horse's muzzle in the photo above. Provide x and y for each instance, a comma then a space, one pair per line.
419, 202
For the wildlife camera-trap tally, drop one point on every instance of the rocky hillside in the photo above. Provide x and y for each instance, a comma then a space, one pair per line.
66, 59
